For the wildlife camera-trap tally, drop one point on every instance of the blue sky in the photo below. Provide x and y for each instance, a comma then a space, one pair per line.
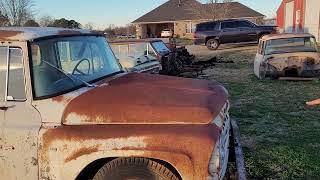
121, 12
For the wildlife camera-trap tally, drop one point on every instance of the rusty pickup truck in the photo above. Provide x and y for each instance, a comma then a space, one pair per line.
291, 55
68, 111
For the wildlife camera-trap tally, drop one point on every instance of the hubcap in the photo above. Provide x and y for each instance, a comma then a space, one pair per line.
213, 44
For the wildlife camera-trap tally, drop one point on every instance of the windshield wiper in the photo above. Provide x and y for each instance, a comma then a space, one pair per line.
69, 75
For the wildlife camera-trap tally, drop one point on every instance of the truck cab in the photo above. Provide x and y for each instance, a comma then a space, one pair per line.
68, 111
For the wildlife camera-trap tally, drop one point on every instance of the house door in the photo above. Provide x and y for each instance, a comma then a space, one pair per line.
312, 18
289, 17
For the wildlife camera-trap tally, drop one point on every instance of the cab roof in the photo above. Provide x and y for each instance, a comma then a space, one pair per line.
31, 33
285, 36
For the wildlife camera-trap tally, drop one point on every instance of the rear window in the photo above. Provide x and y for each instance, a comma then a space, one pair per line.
207, 26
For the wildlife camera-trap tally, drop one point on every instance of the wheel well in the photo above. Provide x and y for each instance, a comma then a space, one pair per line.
210, 37
90, 170
291, 72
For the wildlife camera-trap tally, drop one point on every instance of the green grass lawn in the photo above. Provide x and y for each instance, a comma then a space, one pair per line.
279, 133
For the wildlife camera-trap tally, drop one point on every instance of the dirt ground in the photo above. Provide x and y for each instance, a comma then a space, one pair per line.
279, 133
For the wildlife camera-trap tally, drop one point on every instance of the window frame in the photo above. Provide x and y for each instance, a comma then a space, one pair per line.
6, 93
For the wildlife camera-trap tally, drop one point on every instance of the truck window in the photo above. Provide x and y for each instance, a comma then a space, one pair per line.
3, 71
16, 86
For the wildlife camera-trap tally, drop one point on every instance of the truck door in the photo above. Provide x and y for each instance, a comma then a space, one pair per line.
19, 121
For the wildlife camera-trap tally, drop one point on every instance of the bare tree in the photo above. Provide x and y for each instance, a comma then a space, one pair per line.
211, 9
17, 11
89, 26
45, 21
4, 20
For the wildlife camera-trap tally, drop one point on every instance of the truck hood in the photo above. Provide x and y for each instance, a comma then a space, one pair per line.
147, 99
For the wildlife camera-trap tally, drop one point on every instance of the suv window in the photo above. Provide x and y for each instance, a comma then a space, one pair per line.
230, 24
13, 79
245, 24
207, 26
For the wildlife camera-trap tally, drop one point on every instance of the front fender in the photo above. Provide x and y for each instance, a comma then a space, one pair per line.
66, 150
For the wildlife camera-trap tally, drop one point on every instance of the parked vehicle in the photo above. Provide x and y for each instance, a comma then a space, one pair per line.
287, 55
212, 34
167, 33
135, 57
68, 111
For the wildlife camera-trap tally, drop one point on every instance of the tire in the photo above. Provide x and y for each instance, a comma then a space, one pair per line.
212, 44
135, 169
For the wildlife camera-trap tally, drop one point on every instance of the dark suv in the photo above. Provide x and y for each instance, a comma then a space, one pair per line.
212, 34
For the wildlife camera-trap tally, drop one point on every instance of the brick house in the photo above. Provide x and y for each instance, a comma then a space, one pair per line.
299, 16
179, 16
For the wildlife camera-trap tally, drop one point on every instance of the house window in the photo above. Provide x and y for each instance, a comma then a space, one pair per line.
190, 27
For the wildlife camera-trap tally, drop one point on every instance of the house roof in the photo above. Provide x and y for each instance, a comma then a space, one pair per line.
177, 10
31, 33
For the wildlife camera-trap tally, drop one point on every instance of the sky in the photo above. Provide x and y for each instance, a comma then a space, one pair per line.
102, 13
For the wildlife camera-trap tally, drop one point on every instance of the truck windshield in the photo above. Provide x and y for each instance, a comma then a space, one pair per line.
63, 64
291, 45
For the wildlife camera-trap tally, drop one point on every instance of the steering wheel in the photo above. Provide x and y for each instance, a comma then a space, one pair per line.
78, 64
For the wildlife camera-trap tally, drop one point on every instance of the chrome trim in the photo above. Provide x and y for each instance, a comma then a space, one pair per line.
7, 76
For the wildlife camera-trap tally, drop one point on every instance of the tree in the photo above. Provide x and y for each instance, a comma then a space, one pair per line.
4, 21
31, 23
17, 11
64, 23
45, 21
89, 26
211, 9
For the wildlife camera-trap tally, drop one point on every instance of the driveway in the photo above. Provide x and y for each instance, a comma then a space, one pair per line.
202, 50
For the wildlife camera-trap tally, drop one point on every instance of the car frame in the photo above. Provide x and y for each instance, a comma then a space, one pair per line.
135, 61
297, 61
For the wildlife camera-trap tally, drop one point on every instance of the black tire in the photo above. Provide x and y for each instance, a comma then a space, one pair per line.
212, 44
135, 169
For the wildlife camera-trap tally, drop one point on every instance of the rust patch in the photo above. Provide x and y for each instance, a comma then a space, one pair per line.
194, 141
81, 152
151, 99
5, 35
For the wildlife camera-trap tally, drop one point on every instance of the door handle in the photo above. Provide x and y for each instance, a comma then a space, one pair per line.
5, 107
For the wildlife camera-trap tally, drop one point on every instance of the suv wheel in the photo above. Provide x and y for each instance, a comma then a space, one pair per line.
134, 168
212, 44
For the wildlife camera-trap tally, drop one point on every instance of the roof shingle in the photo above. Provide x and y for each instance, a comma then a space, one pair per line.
172, 10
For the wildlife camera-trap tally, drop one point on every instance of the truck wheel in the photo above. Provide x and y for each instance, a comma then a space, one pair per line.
134, 169
212, 44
